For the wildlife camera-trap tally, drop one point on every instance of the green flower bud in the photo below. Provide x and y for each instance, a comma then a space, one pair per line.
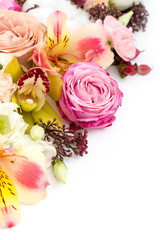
124, 19
37, 132
60, 171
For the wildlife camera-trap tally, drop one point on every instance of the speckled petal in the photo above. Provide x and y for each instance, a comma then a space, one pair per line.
9, 203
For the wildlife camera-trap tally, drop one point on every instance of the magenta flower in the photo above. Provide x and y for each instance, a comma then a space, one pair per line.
10, 5
90, 97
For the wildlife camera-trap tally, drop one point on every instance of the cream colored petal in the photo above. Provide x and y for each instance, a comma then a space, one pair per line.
28, 172
57, 32
9, 203
89, 44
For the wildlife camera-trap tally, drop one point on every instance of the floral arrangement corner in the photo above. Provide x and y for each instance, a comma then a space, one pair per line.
43, 68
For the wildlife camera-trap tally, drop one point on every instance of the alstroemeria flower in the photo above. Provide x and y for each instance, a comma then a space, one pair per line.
87, 44
24, 172
44, 146
32, 89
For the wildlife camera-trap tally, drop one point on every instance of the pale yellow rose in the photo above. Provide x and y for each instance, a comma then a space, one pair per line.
20, 33
6, 87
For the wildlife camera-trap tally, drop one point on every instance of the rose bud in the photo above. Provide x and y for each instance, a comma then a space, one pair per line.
143, 69
130, 70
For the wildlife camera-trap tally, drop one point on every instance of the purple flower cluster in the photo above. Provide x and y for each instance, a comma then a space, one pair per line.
66, 140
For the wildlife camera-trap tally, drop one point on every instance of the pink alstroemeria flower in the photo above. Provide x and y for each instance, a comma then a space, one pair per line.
87, 44
10, 5
23, 177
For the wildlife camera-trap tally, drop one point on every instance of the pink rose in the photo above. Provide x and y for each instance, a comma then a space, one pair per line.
6, 87
121, 38
90, 97
10, 5
20, 33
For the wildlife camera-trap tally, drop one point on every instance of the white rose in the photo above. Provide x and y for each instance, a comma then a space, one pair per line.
124, 4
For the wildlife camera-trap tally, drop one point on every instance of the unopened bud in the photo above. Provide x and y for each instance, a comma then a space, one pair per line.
60, 171
143, 69
37, 132
130, 70
125, 18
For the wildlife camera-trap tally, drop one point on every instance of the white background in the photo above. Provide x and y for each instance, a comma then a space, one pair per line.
112, 193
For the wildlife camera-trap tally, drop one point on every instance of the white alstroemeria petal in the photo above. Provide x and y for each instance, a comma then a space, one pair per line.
46, 147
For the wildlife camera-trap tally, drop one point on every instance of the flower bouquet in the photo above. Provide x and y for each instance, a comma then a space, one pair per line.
54, 86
